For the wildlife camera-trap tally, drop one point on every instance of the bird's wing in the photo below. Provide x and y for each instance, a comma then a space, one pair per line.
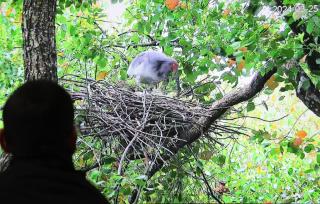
136, 63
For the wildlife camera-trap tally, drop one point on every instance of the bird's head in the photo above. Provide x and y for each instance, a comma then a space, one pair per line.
174, 66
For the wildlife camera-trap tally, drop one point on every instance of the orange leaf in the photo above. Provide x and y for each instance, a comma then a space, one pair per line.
65, 65
259, 170
301, 173
292, 109
96, 5
297, 141
241, 65
266, 26
172, 4
243, 49
183, 5
102, 75
226, 12
8, 12
271, 83
301, 134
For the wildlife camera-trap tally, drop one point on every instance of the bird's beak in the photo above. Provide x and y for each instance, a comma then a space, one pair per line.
175, 67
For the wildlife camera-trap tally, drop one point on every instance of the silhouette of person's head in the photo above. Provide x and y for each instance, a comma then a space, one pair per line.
38, 121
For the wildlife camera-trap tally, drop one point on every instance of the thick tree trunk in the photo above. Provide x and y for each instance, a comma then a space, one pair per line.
311, 96
39, 45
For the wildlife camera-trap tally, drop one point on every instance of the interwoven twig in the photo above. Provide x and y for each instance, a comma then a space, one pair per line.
134, 124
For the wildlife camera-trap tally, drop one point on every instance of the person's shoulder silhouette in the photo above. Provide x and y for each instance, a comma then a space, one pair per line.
39, 132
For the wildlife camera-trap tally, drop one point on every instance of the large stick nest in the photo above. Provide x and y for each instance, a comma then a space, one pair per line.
135, 124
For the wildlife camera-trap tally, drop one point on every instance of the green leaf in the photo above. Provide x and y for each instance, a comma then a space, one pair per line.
281, 98
220, 160
199, 164
88, 155
109, 160
301, 154
126, 190
292, 149
309, 148
94, 175
308, 171
229, 50
281, 149
318, 158
250, 106
140, 181
123, 74
72, 30
140, 27
310, 27
102, 62
266, 135
258, 135
236, 45
135, 38
168, 50
287, 53
274, 151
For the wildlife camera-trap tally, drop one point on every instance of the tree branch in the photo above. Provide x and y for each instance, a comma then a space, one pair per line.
195, 131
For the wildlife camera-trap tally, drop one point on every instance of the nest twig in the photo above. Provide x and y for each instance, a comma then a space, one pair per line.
134, 124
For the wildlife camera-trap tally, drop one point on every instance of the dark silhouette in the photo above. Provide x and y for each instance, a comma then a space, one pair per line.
39, 133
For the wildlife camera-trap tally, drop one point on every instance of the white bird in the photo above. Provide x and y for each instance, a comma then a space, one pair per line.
152, 67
